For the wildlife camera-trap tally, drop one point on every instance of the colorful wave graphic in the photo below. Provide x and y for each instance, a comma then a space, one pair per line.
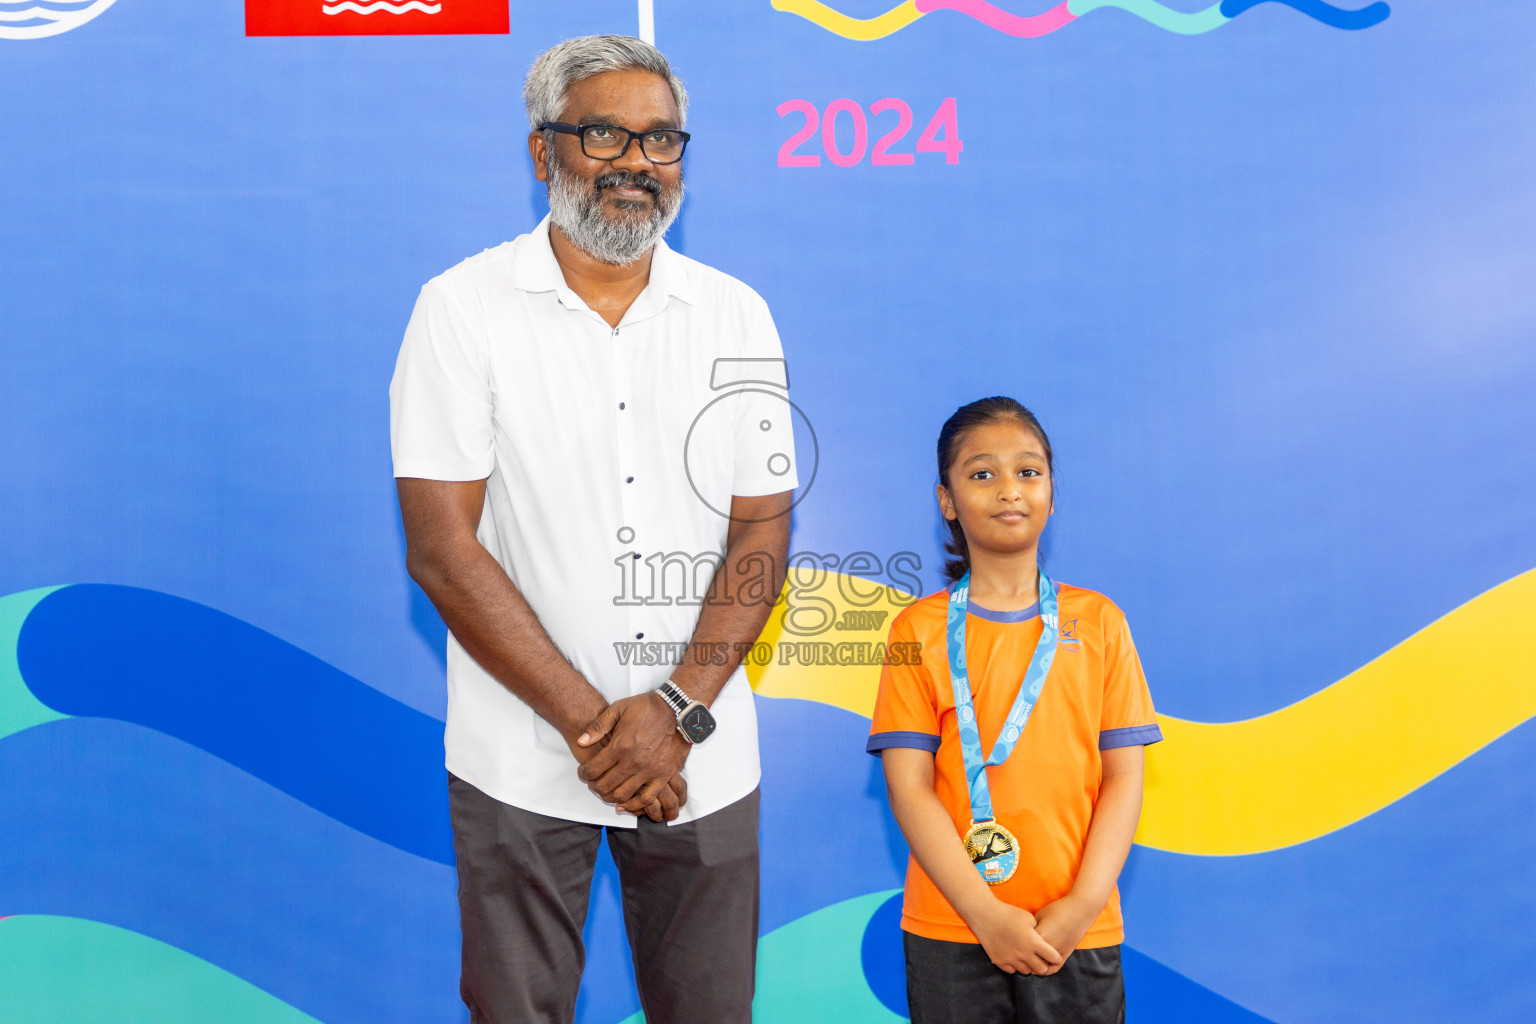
197, 808
381, 5
120, 824
1031, 26
56, 968
38, 19
1352, 748
1221, 789
226, 687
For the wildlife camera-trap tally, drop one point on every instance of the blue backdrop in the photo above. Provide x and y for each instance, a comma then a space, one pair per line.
1267, 283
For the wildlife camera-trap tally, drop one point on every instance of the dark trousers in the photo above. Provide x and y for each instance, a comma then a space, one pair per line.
690, 910
955, 983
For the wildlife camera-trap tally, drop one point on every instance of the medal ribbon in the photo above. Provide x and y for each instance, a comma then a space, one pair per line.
1023, 704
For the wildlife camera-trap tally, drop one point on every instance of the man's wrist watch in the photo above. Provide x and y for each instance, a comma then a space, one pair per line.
693, 719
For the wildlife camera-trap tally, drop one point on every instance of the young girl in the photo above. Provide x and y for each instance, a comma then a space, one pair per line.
1012, 753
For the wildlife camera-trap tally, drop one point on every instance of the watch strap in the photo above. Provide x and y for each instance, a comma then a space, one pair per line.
676, 699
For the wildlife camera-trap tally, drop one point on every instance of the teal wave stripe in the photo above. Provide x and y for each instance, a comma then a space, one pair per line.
810, 969
1185, 23
18, 708
55, 970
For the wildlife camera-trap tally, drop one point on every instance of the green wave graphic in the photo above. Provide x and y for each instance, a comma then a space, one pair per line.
1186, 23
63, 970
18, 708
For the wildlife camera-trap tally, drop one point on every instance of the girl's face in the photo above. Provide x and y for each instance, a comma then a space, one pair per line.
999, 488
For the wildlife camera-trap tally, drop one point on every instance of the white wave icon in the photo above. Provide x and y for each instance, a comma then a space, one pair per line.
381, 5
37, 19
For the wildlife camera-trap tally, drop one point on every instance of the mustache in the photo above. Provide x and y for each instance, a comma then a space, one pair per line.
627, 179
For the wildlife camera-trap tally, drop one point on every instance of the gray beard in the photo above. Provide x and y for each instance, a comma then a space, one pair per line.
577, 210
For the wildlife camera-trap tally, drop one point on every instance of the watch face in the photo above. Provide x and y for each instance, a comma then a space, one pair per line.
698, 723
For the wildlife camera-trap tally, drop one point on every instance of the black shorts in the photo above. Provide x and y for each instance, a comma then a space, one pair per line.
955, 983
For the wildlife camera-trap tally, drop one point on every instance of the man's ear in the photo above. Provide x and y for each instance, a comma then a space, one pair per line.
538, 149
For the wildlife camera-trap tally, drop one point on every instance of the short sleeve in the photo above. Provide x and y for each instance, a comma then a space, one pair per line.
906, 712
764, 428
1127, 718
440, 402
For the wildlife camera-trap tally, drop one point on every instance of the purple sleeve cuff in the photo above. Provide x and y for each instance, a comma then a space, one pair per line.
1130, 736
917, 740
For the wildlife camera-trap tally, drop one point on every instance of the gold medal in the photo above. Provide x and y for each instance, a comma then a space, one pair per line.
993, 850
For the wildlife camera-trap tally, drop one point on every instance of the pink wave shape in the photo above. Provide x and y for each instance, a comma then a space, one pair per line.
993, 16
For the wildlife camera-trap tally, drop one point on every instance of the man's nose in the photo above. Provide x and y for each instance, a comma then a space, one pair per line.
633, 159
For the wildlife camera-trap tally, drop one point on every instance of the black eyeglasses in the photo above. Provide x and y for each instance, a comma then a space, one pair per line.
611, 141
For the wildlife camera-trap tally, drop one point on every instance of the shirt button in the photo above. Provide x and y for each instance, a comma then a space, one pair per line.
639, 636
629, 479
621, 405
637, 554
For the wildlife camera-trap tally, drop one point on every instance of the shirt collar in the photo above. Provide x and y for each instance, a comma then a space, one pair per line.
537, 270
668, 274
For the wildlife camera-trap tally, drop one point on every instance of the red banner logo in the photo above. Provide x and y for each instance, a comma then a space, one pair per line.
375, 17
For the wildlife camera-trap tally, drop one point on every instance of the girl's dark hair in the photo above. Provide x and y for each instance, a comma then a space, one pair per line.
967, 418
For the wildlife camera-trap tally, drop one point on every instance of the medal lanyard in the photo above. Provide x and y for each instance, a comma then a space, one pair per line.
1023, 704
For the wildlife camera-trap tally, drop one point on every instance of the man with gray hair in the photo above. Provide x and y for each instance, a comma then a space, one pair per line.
556, 412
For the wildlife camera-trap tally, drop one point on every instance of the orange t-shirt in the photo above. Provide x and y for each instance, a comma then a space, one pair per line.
1095, 698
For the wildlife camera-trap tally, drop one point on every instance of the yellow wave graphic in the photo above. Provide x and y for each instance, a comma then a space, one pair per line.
1351, 749
1319, 765
818, 602
860, 29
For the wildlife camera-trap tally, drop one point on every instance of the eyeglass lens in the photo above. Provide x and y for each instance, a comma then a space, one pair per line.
605, 142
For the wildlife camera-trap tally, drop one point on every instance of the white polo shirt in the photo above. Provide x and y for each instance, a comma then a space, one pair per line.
604, 450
